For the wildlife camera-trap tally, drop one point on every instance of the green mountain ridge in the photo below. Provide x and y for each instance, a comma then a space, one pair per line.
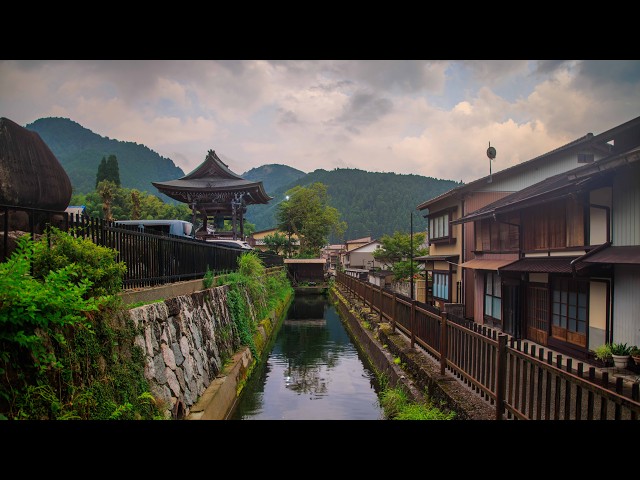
273, 176
79, 151
371, 203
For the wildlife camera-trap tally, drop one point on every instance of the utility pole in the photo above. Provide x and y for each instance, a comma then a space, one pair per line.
411, 254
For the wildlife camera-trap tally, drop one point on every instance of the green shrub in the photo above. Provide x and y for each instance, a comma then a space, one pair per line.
207, 280
95, 263
603, 353
65, 353
252, 294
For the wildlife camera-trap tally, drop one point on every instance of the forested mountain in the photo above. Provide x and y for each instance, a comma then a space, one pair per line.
273, 176
372, 203
80, 151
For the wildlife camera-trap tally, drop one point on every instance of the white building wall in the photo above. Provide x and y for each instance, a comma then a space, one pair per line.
626, 305
543, 170
626, 208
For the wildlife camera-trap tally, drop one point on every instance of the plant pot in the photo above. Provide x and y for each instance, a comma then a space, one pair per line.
620, 361
636, 359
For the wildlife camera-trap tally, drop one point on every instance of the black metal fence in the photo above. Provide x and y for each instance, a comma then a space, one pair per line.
520, 379
151, 259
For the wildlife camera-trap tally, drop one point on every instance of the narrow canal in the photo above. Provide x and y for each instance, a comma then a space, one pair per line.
313, 371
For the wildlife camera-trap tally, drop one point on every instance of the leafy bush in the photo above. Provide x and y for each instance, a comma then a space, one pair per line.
32, 310
92, 262
603, 353
207, 280
65, 353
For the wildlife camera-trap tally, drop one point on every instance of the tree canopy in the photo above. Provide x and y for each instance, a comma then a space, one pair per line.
307, 214
396, 252
108, 170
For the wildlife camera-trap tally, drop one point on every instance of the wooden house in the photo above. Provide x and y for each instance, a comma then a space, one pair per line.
573, 240
452, 261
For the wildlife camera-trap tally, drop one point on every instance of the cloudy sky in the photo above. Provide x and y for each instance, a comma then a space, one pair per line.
431, 118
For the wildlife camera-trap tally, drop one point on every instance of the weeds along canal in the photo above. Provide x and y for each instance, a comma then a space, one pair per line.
313, 371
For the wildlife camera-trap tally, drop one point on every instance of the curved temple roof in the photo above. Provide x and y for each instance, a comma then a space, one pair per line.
212, 187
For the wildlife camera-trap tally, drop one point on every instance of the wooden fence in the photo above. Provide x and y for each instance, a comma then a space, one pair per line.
520, 379
151, 259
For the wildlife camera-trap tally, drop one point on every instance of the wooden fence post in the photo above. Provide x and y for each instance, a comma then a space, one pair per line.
393, 313
381, 302
443, 342
501, 381
413, 323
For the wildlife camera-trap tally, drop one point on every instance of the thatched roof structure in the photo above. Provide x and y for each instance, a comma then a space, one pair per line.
30, 174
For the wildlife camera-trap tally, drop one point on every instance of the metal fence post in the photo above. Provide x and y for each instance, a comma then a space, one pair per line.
501, 371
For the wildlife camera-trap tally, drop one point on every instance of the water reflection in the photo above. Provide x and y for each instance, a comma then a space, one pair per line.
313, 371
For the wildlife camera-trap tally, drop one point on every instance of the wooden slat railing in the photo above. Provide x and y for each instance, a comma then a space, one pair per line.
521, 380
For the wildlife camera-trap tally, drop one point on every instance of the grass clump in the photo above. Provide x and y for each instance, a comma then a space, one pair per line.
397, 405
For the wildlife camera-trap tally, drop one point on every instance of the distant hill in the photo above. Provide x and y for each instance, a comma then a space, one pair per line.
372, 203
273, 176
80, 151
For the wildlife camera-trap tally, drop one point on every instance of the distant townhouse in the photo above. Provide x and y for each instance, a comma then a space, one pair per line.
256, 239
362, 256
350, 245
332, 255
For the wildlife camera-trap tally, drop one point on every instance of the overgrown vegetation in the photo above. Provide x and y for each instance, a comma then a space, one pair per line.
207, 280
397, 405
253, 294
66, 353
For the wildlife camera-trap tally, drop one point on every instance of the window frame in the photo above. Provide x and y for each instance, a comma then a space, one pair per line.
495, 280
572, 289
440, 222
441, 274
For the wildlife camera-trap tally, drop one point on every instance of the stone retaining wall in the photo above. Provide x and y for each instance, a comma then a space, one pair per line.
185, 340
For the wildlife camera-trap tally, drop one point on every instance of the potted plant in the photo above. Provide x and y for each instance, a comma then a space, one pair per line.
635, 354
621, 353
603, 353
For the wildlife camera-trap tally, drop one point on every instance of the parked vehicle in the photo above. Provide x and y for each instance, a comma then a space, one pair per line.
180, 228
236, 244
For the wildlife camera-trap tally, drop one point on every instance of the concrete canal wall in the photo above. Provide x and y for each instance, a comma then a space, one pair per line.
419, 373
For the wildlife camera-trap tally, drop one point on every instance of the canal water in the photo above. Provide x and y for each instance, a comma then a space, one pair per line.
313, 371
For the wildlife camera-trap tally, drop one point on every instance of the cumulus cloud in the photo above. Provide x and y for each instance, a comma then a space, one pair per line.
432, 118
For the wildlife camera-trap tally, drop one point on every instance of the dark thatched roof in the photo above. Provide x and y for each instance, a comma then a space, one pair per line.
30, 174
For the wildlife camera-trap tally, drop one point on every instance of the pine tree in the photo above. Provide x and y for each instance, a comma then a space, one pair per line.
113, 171
108, 170
102, 171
